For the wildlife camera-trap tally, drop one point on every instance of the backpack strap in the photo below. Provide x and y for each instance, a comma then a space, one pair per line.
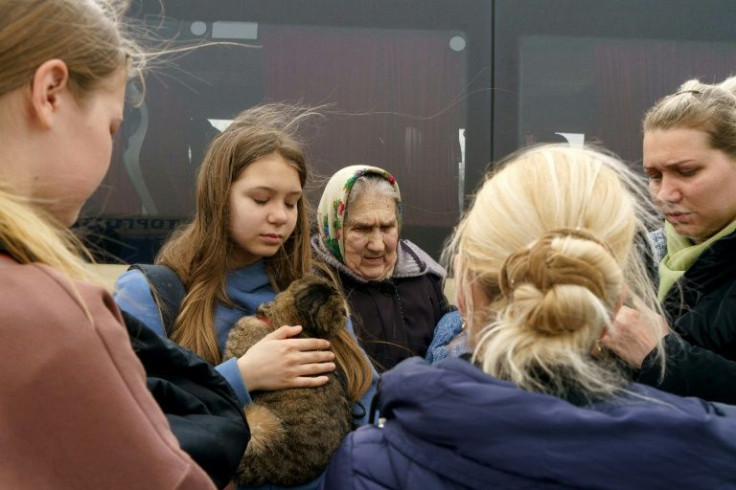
168, 291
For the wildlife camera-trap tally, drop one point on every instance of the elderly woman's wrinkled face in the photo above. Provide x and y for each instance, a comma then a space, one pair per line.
692, 184
371, 237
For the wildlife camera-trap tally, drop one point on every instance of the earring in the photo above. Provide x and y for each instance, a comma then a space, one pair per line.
597, 349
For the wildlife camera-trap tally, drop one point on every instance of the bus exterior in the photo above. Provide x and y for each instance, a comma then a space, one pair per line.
432, 90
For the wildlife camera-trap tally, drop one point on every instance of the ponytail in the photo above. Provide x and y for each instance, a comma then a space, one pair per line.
28, 235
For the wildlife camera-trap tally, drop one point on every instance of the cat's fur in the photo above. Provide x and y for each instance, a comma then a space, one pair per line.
294, 432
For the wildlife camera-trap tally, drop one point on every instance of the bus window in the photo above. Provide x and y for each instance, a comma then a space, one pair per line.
394, 85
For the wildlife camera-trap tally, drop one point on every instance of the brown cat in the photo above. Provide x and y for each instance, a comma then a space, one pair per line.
294, 432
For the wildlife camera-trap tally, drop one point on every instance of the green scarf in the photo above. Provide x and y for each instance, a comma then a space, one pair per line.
681, 253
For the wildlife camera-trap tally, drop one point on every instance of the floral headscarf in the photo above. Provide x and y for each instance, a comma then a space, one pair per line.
331, 210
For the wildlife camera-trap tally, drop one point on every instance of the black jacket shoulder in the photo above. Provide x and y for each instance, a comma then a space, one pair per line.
203, 411
701, 309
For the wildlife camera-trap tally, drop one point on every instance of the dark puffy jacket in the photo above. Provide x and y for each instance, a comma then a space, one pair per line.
450, 425
203, 411
701, 308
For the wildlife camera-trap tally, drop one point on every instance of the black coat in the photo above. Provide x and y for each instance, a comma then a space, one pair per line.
701, 308
203, 411
393, 319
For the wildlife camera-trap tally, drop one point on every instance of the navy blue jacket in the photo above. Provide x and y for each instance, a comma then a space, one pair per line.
450, 425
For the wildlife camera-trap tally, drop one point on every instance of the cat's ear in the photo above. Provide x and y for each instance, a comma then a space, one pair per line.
313, 296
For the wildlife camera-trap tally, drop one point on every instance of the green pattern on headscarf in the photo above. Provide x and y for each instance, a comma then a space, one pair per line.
331, 209
681, 254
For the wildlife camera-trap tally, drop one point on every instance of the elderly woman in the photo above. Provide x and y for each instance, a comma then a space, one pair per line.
393, 287
690, 160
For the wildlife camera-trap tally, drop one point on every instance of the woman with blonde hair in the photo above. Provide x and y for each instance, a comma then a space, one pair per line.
690, 161
544, 258
76, 412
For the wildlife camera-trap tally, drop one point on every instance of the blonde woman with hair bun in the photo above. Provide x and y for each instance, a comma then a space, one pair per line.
547, 254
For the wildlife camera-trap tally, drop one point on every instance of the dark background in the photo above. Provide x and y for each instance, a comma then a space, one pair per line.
403, 79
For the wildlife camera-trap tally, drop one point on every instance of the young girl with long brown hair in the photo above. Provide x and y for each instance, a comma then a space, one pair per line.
248, 240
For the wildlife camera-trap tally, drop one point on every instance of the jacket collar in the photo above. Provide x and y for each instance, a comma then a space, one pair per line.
715, 266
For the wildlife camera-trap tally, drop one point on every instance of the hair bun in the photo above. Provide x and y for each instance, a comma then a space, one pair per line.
537, 273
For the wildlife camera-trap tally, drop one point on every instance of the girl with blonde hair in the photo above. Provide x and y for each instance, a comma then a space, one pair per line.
545, 256
76, 412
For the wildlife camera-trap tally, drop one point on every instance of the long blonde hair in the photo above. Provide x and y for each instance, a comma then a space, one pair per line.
90, 37
553, 240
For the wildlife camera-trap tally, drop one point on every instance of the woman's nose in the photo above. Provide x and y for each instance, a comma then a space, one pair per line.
668, 191
375, 241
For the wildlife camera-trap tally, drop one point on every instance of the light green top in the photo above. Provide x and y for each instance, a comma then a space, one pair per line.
681, 254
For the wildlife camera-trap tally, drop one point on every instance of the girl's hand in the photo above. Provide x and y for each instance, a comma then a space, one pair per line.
278, 361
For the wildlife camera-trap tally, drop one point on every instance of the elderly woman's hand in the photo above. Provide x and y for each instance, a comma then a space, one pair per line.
635, 333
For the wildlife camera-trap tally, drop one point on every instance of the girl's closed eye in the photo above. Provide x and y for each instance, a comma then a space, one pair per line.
259, 199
